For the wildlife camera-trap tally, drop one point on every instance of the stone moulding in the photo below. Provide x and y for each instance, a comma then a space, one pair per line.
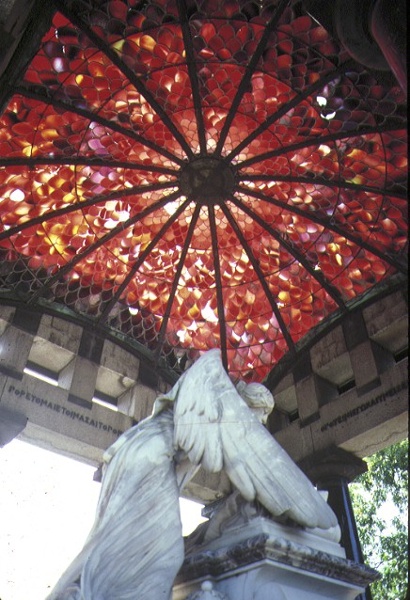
217, 563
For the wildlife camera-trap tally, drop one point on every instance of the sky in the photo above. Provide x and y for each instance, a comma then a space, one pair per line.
47, 506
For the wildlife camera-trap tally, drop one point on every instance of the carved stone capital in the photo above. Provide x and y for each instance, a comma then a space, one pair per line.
277, 545
332, 463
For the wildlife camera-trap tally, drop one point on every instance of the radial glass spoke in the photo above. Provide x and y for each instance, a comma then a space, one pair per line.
123, 52
308, 142
218, 281
299, 108
193, 76
260, 274
99, 244
47, 191
145, 254
174, 288
31, 127
255, 58
317, 180
328, 222
288, 246
79, 161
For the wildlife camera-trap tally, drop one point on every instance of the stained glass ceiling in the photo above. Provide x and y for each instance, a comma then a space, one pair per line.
190, 175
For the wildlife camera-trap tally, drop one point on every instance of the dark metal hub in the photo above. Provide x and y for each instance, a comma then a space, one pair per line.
207, 180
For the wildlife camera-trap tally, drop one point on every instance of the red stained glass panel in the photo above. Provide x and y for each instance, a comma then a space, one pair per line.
201, 174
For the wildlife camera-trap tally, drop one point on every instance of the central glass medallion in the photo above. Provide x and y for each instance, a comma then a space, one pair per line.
207, 180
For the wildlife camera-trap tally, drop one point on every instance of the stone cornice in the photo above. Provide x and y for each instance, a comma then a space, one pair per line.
262, 547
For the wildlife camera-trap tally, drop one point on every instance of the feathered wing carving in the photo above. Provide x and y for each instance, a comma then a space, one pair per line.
135, 547
215, 427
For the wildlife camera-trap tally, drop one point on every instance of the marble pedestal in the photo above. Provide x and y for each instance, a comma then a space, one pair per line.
265, 560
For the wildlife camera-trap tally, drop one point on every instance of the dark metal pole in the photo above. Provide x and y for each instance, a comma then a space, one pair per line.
340, 502
332, 470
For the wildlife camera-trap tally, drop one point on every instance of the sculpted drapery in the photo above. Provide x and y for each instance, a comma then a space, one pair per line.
135, 548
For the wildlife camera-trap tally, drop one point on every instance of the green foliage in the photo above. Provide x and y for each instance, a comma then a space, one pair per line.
380, 503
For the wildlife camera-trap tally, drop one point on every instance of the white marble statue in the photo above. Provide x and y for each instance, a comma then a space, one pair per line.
135, 548
207, 592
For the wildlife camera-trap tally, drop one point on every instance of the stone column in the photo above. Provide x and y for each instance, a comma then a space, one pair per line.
16, 341
332, 471
12, 424
79, 377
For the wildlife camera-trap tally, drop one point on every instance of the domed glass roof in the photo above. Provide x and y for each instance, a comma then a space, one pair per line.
200, 174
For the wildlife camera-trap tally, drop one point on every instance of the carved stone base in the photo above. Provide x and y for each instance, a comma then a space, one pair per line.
265, 560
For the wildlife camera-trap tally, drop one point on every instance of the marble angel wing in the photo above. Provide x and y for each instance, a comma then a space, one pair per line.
216, 428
